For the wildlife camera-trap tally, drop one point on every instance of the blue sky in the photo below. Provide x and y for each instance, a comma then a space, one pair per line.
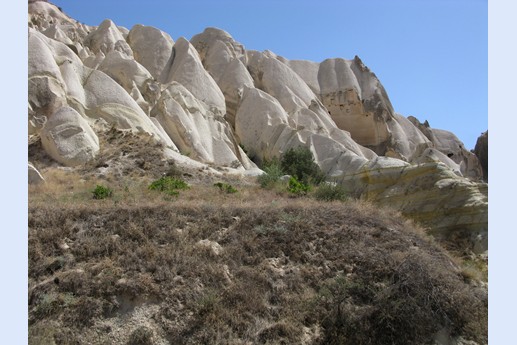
430, 55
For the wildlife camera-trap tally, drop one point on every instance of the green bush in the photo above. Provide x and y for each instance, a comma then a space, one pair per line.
101, 192
169, 185
225, 187
298, 188
272, 174
299, 162
331, 192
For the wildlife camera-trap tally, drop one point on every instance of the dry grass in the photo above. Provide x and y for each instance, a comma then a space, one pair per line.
346, 271
208, 267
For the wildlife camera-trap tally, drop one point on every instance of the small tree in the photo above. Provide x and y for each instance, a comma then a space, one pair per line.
299, 162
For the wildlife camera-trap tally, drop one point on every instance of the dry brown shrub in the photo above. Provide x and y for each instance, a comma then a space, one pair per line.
357, 274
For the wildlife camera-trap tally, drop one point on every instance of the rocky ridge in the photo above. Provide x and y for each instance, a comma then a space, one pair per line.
208, 98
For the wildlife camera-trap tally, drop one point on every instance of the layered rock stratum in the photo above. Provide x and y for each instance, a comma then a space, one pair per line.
213, 103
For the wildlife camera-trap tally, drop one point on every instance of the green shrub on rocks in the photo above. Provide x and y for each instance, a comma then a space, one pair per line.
299, 162
169, 185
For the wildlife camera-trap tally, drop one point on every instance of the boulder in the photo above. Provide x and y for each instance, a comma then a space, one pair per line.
68, 138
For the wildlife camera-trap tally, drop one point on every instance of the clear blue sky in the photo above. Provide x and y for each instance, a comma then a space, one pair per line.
430, 55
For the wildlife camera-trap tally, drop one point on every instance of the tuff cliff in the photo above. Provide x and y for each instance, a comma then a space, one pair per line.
208, 98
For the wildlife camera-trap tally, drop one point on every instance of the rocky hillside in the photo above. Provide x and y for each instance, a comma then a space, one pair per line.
217, 106
245, 268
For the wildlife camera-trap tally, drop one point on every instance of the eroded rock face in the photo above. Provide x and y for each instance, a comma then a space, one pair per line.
198, 129
185, 67
151, 47
435, 196
223, 58
481, 152
106, 38
449, 144
68, 138
204, 98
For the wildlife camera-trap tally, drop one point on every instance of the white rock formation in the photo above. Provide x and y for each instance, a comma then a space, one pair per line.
107, 37
205, 97
151, 47
68, 138
185, 67
449, 144
221, 57
198, 130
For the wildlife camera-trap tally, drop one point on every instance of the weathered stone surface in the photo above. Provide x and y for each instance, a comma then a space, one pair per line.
129, 74
56, 33
57, 77
42, 15
354, 98
34, 175
198, 129
46, 86
406, 142
151, 47
481, 151
301, 104
434, 196
107, 37
213, 247
221, 56
125, 71
264, 129
185, 67
216, 49
68, 138
449, 144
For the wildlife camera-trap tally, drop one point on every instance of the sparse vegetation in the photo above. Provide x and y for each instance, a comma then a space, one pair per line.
286, 270
330, 192
272, 174
225, 187
169, 185
299, 162
344, 273
299, 165
297, 188
102, 192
